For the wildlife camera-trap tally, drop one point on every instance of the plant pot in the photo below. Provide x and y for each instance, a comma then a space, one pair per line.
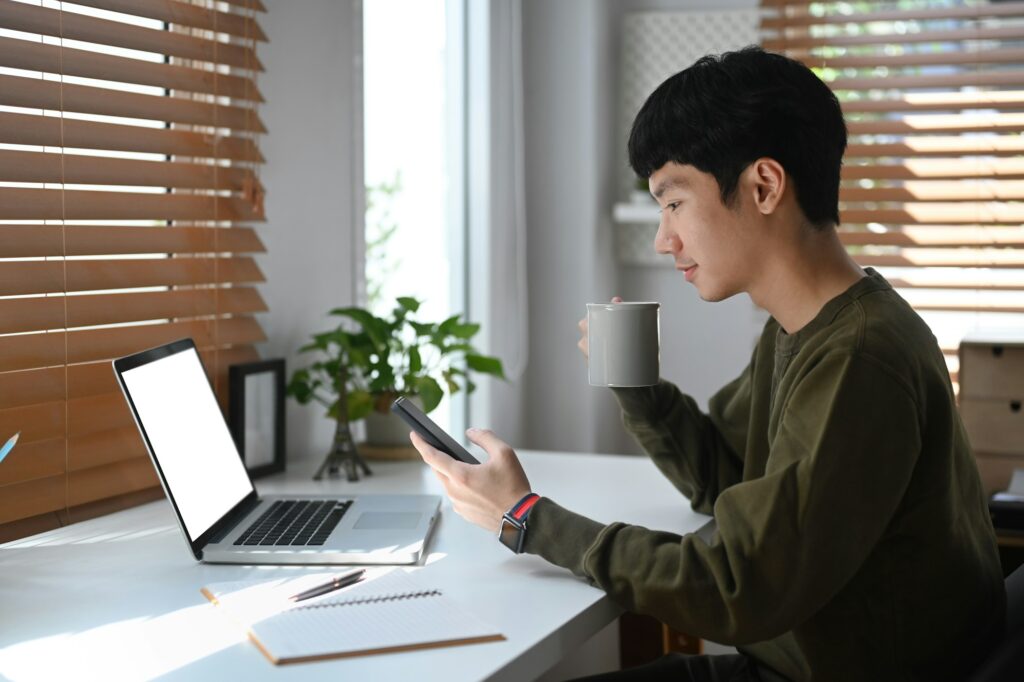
387, 430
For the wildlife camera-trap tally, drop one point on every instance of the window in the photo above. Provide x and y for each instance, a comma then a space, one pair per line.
129, 163
932, 179
413, 159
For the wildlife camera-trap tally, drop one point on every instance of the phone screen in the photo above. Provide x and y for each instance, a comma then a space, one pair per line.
431, 432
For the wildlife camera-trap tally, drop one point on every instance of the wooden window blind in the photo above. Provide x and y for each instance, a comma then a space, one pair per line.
129, 182
933, 94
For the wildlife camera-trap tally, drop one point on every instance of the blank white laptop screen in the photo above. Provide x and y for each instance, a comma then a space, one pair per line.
189, 437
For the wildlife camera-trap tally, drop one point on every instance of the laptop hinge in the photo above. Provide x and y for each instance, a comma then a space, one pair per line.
228, 523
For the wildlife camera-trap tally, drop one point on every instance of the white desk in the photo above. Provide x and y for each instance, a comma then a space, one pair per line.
118, 597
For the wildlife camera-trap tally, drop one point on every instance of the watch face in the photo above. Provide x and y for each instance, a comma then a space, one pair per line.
509, 535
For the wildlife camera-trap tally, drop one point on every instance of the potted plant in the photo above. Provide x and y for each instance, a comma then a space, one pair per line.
366, 366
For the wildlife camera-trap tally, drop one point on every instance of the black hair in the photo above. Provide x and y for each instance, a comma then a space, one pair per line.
725, 111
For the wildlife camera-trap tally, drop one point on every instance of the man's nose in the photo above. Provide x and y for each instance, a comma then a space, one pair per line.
665, 241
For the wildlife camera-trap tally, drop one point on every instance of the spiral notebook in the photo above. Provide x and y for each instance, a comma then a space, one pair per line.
385, 613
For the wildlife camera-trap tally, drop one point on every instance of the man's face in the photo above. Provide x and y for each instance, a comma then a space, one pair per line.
710, 242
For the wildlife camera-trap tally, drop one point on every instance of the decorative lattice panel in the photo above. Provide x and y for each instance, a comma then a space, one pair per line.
656, 45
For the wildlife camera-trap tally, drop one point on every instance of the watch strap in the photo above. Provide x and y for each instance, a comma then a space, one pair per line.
521, 509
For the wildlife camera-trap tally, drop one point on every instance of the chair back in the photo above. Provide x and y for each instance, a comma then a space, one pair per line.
1006, 663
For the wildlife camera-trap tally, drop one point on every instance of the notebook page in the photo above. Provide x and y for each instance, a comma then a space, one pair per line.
388, 611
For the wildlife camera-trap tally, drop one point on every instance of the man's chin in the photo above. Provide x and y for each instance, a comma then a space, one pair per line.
714, 295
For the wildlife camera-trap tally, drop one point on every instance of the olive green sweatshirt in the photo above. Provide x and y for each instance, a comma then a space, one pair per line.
853, 538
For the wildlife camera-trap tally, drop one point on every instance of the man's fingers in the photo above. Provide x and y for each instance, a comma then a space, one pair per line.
436, 460
616, 299
486, 439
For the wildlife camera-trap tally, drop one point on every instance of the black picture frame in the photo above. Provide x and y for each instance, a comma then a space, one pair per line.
256, 406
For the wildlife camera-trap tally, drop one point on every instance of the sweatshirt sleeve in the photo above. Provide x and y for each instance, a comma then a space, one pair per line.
843, 455
699, 453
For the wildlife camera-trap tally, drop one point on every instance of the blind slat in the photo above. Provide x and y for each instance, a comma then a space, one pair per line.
925, 279
31, 498
28, 241
960, 79
80, 417
945, 258
99, 483
916, 213
999, 100
33, 461
54, 204
937, 236
32, 351
29, 129
937, 168
911, 58
39, 314
36, 386
184, 14
44, 277
939, 123
938, 190
36, 93
1011, 32
19, 16
804, 19
250, 5
19, 166
33, 56
1001, 145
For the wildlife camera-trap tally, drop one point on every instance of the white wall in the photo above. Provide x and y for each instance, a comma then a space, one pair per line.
311, 100
573, 156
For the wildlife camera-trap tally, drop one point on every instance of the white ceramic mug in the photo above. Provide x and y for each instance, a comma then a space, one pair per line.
623, 341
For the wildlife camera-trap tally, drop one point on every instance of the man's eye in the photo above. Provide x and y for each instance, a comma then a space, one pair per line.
671, 207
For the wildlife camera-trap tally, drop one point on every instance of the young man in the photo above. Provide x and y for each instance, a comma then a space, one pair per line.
853, 539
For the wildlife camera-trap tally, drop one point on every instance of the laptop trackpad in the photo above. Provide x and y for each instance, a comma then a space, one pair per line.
387, 521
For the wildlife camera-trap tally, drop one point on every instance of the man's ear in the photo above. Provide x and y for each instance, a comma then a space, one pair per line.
767, 180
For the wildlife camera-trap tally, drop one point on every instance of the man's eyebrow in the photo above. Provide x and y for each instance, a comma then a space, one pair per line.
665, 185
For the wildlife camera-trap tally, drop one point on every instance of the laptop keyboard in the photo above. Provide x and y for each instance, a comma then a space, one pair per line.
295, 523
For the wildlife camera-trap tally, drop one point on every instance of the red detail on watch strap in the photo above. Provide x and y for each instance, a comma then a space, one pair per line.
520, 510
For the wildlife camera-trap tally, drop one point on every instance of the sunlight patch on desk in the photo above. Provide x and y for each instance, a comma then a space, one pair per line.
67, 538
434, 557
142, 642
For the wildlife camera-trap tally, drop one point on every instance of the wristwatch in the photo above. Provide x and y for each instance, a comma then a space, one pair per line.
512, 533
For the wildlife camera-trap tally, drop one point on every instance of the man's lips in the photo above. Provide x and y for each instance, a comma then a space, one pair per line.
687, 270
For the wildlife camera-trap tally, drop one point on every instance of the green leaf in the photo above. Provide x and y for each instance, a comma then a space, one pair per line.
422, 329
449, 379
357, 357
430, 393
457, 348
299, 387
485, 364
360, 404
415, 361
384, 381
409, 303
465, 331
445, 328
371, 324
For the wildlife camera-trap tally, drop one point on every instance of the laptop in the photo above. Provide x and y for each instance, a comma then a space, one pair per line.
223, 518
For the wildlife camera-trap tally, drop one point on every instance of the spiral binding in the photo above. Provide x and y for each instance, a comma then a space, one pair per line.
370, 600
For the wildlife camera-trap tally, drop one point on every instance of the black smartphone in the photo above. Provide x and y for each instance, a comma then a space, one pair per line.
429, 431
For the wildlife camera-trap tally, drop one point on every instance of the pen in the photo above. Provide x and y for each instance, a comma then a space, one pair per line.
336, 583
9, 445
